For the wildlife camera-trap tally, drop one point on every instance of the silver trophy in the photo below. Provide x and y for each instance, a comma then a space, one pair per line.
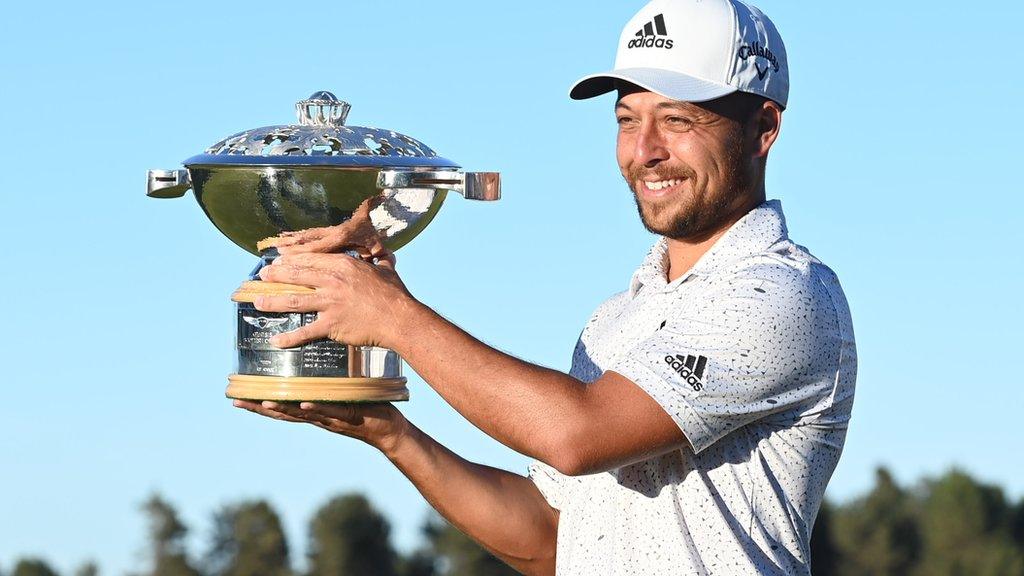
371, 184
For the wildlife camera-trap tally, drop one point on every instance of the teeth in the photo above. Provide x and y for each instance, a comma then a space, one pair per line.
661, 184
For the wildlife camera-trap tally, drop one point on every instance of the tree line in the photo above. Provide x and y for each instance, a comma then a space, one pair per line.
346, 536
952, 525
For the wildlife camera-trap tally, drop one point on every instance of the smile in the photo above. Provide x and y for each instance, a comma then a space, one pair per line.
661, 184
659, 187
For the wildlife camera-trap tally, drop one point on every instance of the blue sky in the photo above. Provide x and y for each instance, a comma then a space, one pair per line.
896, 166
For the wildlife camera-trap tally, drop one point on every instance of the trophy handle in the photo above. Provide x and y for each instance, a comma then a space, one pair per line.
167, 183
484, 186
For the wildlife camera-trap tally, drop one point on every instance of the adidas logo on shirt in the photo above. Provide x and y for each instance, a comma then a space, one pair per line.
691, 368
652, 35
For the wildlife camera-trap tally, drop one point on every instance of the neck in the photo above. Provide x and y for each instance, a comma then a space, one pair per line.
683, 253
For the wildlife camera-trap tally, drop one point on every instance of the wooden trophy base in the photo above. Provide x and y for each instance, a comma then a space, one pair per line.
305, 389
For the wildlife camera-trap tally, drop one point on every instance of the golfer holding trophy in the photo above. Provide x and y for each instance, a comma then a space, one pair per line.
707, 403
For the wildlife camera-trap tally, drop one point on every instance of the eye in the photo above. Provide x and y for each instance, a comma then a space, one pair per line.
626, 122
679, 122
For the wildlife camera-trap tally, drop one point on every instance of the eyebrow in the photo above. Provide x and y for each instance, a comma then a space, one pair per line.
674, 105
661, 106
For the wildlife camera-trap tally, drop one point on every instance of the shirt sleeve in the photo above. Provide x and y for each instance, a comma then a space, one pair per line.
553, 485
764, 343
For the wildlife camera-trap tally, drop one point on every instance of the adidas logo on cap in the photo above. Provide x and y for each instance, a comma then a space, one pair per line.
652, 35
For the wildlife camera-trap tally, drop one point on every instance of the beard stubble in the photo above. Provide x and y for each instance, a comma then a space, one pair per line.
694, 215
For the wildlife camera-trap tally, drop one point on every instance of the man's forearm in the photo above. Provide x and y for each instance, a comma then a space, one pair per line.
522, 405
505, 512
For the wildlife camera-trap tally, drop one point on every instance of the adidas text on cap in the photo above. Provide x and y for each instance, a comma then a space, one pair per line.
697, 50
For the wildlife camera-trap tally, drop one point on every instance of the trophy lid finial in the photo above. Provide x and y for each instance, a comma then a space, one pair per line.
322, 108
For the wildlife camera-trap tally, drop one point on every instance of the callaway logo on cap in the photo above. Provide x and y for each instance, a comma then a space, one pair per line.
697, 50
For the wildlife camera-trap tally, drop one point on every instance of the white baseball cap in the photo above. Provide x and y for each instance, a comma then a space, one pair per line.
697, 50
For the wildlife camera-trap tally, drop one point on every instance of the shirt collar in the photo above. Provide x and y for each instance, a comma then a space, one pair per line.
753, 233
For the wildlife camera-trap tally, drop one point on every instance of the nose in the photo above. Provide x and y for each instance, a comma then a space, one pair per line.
650, 147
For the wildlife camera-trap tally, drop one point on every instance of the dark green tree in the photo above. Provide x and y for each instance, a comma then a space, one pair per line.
1017, 528
458, 555
877, 535
967, 528
248, 541
32, 567
824, 552
167, 553
347, 536
419, 563
88, 569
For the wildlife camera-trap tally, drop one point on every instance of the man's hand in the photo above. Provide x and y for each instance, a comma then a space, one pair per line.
356, 302
379, 425
357, 234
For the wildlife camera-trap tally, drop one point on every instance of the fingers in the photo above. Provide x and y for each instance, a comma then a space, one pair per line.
259, 408
376, 254
290, 238
333, 239
325, 244
336, 418
330, 262
337, 265
379, 253
343, 412
357, 233
319, 256
295, 275
386, 260
296, 412
288, 303
315, 331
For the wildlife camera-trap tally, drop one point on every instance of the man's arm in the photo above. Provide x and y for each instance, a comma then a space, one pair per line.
575, 428
504, 512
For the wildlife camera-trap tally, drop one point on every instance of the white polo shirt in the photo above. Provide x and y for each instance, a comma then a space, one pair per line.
752, 354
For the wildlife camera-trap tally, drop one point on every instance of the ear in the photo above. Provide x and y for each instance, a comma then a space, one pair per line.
764, 127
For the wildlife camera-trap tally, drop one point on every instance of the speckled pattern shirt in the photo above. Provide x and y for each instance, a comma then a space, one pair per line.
752, 354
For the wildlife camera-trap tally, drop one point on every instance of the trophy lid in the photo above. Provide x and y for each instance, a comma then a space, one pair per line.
321, 138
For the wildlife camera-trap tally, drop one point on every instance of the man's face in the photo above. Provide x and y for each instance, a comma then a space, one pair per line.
687, 165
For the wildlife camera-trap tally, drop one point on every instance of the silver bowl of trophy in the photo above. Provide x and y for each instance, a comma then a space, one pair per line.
379, 186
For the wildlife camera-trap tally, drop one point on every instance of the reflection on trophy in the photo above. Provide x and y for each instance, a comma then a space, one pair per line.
372, 187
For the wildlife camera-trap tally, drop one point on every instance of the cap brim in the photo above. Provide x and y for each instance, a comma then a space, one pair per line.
669, 84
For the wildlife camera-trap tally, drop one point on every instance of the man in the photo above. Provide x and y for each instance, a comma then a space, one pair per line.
707, 405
